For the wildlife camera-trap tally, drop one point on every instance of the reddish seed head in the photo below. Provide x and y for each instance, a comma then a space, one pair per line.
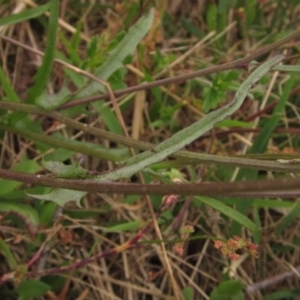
218, 244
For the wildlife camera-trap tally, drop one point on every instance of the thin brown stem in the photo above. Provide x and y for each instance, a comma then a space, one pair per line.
267, 188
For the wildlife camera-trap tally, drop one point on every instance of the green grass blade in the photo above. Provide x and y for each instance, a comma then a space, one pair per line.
24, 15
43, 74
10, 92
24, 212
4, 249
229, 212
289, 218
263, 137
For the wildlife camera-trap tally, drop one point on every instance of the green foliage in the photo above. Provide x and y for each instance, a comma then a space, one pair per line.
230, 212
24, 15
26, 165
228, 290
211, 17
8, 89
188, 293
109, 117
44, 71
119, 53
216, 93
61, 196
24, 212
289, 218
260, 144
124, 226
5, 250
32, 289
166, 114
63, 171
283, 295
50, 102
98, 51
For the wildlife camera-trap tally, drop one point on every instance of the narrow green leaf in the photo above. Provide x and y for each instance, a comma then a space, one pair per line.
25, 212
44, 71
287, 68
24, 15
76, 78
50, 102
128, 226
117, 55
250, 11
261, 142
283, 295
234, 123
64, 171
211, 17
229, 212
263, 137
8, 89
109, 117
32, 289
29, 166
289, 218
4, 249
61, 196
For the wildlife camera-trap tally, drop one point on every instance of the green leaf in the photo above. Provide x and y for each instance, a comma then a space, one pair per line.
127, 226
43, 73
64, 171
228, 290
229, 212
289, 218
92, 47
32, 289
8, 89
283, 295
211, 17
76, 78
25, 212
29, 166
117, 55
288, 68
61, 196
263, 137
188, 293
211, 97
24, 15
234, 123
191, 28
4, 249
250, 11
50, 102
109, 117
